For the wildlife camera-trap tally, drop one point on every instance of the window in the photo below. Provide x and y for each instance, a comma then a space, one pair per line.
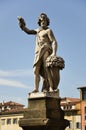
8, 121
65, 108
84, 117
78, 125
85, 127
2, 121
84, 94
15, 121
68, 107
70, 125
0, 109
85, 110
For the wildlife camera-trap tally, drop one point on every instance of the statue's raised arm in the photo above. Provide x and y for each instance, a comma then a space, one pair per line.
22, 25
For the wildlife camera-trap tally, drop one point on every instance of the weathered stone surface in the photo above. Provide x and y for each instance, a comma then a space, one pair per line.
44, 113
43, 122
54, 94
44, 101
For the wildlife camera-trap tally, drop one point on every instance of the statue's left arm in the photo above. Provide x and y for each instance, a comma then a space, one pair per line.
53, 41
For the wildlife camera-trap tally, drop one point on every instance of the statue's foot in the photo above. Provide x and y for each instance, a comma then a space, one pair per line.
35, 91
45, 91
51, 89
55, 90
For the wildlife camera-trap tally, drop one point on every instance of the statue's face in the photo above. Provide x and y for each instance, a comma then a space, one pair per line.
43, 22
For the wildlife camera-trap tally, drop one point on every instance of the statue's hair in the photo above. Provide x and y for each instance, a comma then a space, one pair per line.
47, 19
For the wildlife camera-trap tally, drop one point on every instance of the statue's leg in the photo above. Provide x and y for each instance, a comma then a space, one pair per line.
36, 77
50, 79
48, 72
45, 84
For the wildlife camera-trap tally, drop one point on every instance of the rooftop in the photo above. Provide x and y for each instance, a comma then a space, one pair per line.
68, 100
10, 103
82, 87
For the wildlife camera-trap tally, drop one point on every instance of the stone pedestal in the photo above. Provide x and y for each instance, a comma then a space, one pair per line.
44, 113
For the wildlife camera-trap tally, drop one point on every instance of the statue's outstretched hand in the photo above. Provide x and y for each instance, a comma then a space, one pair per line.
21, 22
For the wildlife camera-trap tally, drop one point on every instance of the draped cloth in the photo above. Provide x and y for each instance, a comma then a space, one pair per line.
54, 64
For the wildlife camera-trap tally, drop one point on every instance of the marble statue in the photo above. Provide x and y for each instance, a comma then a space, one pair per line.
46, 63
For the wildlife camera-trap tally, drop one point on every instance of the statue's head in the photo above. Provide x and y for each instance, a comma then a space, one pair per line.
43, 16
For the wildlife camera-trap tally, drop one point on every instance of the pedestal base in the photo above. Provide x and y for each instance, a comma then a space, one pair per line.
44, 113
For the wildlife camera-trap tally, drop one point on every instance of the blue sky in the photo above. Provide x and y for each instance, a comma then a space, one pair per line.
68, 22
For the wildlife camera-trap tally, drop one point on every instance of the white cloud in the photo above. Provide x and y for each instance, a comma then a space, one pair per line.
15, 73
12, 83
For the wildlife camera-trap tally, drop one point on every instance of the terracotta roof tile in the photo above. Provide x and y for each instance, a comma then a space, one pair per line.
11, 103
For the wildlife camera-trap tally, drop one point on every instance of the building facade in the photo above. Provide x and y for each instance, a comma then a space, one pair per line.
10, 114
71, 108
83, 107
10, 121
